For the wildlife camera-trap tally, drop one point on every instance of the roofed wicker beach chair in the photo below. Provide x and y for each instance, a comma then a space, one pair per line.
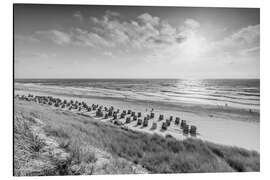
99, 113
154, 126
135, 118
129, 111
171, 118
139, 122
123, 115
145, 122
133, 113
168, 122
183, 123
161, 117
164, 126
193, 130
110, 113
177, 120
112, 108
139, 114
152, 115
186, 129
128, 120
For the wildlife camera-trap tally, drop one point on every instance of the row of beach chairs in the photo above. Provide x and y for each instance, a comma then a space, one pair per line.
115, 114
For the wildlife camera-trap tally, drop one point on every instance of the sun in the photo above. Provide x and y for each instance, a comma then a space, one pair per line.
193, 46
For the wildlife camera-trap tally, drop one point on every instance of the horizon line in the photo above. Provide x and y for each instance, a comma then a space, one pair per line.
127, 78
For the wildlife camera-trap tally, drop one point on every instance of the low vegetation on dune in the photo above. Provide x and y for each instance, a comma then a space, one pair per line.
27, 149
101, 148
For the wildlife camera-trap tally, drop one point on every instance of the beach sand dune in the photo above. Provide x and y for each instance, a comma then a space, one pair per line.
224, 126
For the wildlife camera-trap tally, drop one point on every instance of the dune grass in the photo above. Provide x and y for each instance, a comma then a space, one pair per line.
77, 134
27, 146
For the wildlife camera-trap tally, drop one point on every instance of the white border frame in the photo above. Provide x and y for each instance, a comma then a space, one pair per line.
7, 78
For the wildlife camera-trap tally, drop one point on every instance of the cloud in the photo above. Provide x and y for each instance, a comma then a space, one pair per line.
108, 53
191, 23
33, 55
78, 15
153, 37
74, 36
249, 51
148, 19
240, 45
143, 32
111, 13
248, 36
240, 42
146, 31
86, 38
25, 39
59, 37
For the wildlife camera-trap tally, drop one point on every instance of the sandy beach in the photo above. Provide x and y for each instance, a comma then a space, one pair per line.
222, 125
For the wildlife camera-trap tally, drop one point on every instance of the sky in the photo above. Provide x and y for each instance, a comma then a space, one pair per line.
84, 41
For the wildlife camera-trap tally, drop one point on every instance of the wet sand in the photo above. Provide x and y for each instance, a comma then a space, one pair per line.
222, 125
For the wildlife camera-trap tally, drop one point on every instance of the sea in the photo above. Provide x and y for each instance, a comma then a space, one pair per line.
239, 93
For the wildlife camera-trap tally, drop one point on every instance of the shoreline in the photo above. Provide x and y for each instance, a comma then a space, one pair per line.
223, 127
182, 106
